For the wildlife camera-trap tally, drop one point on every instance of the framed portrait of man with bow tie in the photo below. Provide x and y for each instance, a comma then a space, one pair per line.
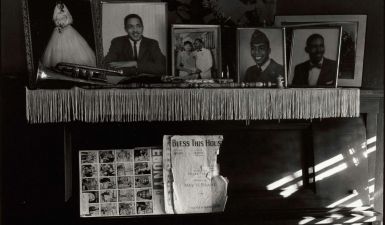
314, 56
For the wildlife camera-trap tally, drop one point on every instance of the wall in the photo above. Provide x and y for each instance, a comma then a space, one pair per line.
13, 50
13, 60
373, 74
31, 147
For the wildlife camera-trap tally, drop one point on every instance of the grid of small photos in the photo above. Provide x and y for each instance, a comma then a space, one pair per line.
115, 182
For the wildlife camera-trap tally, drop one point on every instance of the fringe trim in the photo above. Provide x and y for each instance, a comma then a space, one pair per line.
130, 105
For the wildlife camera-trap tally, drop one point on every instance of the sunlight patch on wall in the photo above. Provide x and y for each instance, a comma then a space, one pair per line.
370, 141
287, 191
356, 203
328, 162
284, 180
306, 220
354, 219
374, 218
342, 200
325, 221
331, 172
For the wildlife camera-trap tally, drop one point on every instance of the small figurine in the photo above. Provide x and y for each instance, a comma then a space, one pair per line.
280, 82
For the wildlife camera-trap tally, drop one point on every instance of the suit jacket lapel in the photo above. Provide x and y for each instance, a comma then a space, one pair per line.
306, 72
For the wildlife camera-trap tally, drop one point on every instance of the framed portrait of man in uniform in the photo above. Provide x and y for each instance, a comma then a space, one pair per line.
132, 36
314, 56
261, 55
196, 52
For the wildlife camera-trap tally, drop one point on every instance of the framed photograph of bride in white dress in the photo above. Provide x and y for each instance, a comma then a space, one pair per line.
196, 51
57, 31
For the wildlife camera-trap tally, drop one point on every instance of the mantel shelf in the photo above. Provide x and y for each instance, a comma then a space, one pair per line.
189, 104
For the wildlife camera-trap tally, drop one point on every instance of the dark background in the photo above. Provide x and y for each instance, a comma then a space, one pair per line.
32, 156
13, 62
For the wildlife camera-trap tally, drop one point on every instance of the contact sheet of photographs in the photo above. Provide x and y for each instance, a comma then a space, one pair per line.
118, 182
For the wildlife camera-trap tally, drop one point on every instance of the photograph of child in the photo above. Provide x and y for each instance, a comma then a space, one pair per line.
141, 155
107, 170
126, 195
89, 171
106, 156
93, 196
126, 209
89, 157
142, 181
89, 184
125, 182
142, 168
108, 196
124, 155
94, 210
144, 207
125, 169
108, 209
143, 194
107, 183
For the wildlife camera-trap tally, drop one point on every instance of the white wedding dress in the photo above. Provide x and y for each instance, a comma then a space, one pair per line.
66, 44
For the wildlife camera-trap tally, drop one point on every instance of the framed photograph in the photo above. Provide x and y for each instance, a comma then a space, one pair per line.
352, 42
196, 51
314, 56
131, 36
261, 54
57, 32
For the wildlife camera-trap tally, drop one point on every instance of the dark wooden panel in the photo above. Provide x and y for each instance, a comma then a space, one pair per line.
342, 143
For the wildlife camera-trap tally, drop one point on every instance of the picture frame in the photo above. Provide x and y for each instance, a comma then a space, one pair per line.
352, 45
271, 60
205, 47
41, 34
110, 28
314, 56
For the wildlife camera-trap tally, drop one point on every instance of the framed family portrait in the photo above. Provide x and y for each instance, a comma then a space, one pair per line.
196, 51
57, 31
131, 36
314, 56
352, 41
261, 54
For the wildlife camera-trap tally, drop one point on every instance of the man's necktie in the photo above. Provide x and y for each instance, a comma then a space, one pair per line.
135, 51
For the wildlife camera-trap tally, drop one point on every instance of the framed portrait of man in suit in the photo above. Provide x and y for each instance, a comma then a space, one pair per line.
261, 54
314, 57
352, 41
132, 37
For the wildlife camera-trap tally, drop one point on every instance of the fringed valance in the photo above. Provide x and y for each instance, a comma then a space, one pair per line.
129, 105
